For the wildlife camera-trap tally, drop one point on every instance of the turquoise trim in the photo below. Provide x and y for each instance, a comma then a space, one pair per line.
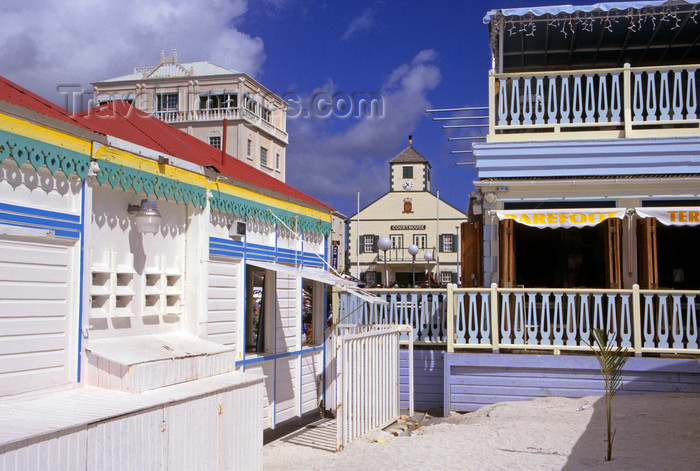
152, 185
40, 154
230, 204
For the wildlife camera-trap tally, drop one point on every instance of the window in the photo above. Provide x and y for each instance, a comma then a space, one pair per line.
397, 241
249, 148
420, 240
259, 309
218, 100
369, 243
448, 243
445, 277
371, 278
408, 172
313, 323
250, 104
265, 114
277, 161
215, 141
263, 156
166, 102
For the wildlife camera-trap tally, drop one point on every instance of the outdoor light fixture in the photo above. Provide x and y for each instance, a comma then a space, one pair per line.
428, 256
147, 217
413, 250
384, 244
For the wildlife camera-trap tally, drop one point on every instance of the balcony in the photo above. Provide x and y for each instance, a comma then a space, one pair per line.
594, 104
219, 114
402, 255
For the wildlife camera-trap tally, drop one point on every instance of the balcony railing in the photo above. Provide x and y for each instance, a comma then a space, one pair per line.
640, 321
218, 114
402, 255
625, 102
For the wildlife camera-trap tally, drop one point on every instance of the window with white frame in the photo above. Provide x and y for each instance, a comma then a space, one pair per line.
370, 278
249, 148
420, 240
396, 241
277, 161
259, 313
369, 243
215, 141
263, 156
166, 102
447, 243
445, 277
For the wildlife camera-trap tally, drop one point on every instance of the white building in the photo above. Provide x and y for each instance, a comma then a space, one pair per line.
409, 214
198, 97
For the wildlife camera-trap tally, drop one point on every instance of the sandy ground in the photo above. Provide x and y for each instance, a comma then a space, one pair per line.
654, 432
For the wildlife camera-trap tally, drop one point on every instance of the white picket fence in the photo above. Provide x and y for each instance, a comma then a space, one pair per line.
367, 380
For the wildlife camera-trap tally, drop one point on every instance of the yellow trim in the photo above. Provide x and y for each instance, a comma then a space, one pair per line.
116, 156
44, 134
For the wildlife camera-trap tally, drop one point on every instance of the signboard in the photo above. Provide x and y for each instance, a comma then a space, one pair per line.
672, 216
334, 256
561, 218
415, 227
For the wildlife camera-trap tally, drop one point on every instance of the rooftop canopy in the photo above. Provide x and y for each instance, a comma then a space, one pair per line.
642, 33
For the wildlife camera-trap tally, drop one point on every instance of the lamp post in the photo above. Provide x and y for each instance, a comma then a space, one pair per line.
384, 244
428, 256
459, 255
413, 250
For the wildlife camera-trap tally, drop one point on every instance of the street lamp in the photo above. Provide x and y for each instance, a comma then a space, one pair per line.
413, 250
428, 256
384, 244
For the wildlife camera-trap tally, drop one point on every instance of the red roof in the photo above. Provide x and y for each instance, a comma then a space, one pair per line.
125, 122
120, 120
12, 93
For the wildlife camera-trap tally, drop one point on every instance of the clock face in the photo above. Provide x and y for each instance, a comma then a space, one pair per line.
407, 184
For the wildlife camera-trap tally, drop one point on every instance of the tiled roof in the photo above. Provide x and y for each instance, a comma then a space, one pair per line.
125, 122
202, 68
12, 93
408, 156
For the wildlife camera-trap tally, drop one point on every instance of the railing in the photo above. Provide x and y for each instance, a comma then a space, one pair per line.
217, 114
402, 255
613, 101
641, 321
367, 380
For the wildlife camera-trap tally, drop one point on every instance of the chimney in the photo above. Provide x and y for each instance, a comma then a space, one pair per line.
410, 140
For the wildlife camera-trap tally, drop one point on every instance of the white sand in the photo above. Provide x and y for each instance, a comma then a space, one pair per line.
654, 432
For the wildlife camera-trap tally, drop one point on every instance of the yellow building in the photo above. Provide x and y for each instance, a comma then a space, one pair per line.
196, 97
409, 214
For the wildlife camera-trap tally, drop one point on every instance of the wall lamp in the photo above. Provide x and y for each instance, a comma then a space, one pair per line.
147, 216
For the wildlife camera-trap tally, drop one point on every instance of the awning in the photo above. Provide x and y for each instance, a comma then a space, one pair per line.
570, 9
315, 274
561, 218
672, 216
367, 297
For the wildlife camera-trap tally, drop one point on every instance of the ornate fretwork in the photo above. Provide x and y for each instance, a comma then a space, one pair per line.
40, 154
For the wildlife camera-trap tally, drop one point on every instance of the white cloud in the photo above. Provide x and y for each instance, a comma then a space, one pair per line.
365, 21
331, 164
47, 43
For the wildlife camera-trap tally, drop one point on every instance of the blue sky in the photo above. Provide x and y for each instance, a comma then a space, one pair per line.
414, 54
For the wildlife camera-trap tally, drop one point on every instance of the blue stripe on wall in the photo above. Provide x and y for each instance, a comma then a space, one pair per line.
234, 248
63, 225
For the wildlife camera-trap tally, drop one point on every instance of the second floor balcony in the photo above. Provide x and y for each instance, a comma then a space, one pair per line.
658, 101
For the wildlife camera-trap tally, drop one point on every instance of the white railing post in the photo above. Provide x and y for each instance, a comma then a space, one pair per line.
494, 317
627, 99
450, 318
636, 321
492, 103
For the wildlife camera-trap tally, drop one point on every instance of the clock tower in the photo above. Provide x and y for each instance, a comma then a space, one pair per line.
410, 171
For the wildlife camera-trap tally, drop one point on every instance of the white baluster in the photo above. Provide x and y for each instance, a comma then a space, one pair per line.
598, 311
565, 105
662, 322
436, 319
677, 322
571, 319
527, 100
461, 322
393, 313
649, 327
485, 324
552, 106
502, 103
664, 100
473, 324
612, 320
578, 100
539, 101
518, 324
691, 104
625, 322
558, 320
590, 99
584, 322
651, 96
603, 98
414, 316
638, 98
505, 318
515, 102
532, 319
425, 318
677, 95
691, 322
545, 321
